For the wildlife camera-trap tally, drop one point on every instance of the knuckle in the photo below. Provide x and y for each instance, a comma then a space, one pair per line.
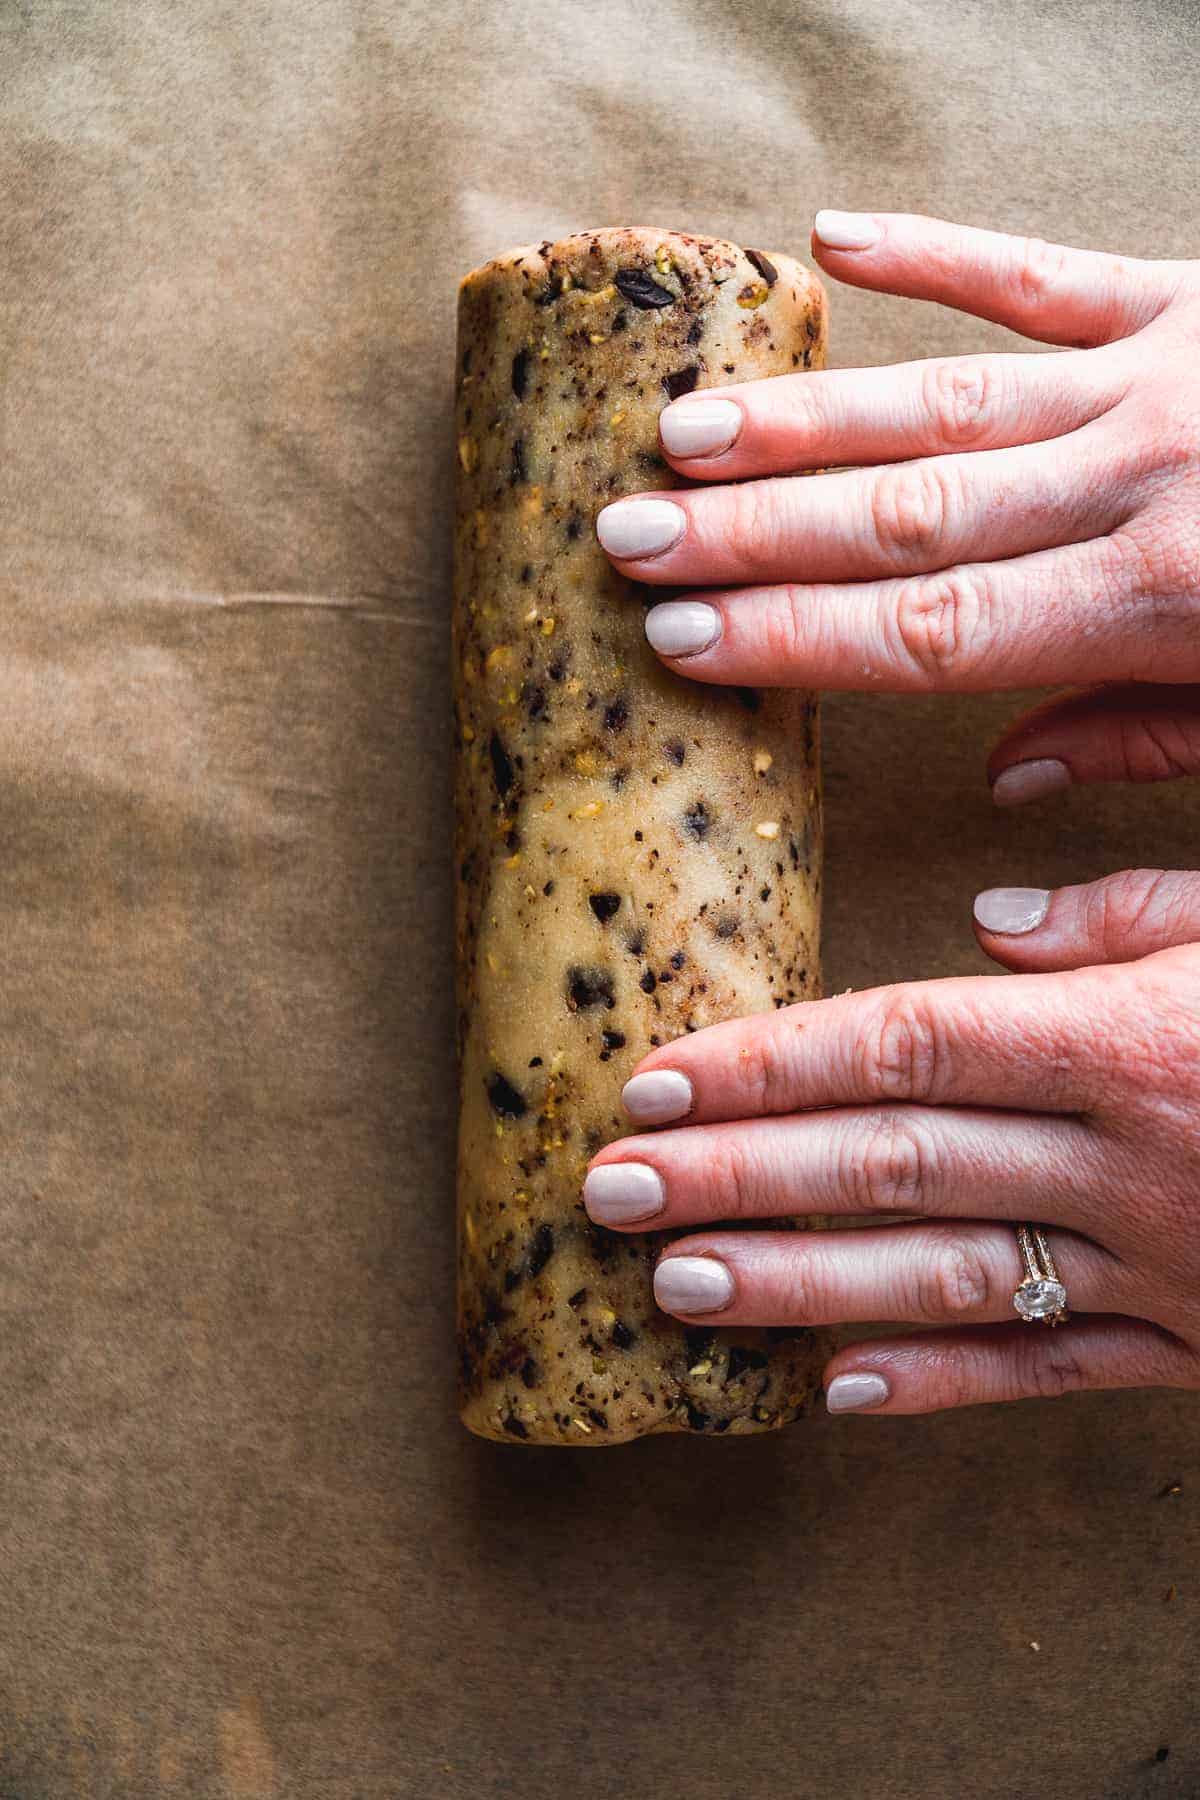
1161, 750
799, 405
955, 1283
1049, 1367
760, 1075
909, 505
782, 621
899, 1052
945, 253
963, 399
1179, 551
1135, 905
1038, 270
1156, 1056
734, 1181
941, 623
952, 1380
1141, 564
1165, 436
889, 1166
1158, 562
804, 1291
753, 522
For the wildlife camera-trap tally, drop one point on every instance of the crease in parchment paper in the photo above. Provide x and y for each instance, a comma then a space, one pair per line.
357, 604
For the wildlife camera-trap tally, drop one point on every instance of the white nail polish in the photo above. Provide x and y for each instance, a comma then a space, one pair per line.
699, 427
619, 1193
846, 231
657, 1097
1031, 780
855, 1393
635, 528
1011, 911
682, 627
692, 1284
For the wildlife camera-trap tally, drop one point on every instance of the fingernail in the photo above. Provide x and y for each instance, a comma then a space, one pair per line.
618, 1193
631, 528
1030, 781
854, 1393
682, 627
692, 1284
1011, 910
657, 1096
699, 427
846, 231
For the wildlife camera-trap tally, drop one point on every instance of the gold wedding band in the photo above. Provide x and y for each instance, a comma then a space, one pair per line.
1041, 1297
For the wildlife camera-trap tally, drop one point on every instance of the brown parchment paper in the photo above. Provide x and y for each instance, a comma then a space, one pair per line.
245, 1547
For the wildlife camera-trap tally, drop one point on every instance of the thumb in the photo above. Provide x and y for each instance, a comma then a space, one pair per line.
1115, 920
1133, 731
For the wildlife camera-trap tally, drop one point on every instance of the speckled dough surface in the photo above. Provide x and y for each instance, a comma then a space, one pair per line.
637, 855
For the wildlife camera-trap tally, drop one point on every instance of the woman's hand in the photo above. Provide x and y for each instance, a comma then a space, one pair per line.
1068, 1098
1015, 521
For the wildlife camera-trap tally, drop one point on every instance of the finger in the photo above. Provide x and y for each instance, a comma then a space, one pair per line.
956, 1273
976, 627
1029, 1043
1120, 919
1130, 731
894, 1160
929, 1372
878, 415
903, 518
1046, 291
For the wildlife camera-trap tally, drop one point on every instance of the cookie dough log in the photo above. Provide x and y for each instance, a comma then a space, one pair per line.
637, 855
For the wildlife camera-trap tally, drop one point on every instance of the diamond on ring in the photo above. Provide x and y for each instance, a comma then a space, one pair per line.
1038, 1299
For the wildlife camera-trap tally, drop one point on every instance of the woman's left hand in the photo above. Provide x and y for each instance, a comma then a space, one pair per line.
1068, 1095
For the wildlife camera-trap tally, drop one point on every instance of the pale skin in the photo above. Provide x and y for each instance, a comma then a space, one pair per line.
1008, 521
